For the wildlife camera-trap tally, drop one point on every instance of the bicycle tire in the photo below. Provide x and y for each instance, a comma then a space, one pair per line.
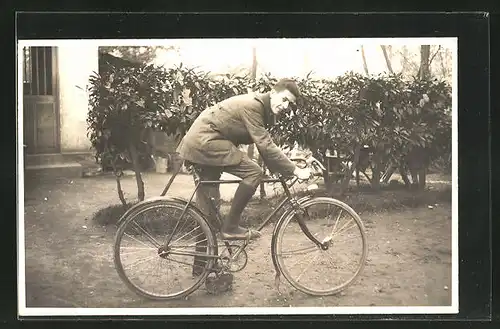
164, 203
278, 237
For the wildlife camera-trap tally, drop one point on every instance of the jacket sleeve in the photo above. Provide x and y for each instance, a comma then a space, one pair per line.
272, 155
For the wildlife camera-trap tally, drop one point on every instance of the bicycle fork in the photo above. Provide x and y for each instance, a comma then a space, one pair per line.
301, 215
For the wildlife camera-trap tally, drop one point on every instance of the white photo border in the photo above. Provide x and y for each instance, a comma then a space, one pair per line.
25, 311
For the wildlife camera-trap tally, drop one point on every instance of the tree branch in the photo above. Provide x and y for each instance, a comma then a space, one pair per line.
432, 58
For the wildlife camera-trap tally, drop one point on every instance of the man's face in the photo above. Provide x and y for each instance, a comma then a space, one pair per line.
280, 100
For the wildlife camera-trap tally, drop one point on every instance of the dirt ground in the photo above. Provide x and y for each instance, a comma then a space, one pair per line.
69, 257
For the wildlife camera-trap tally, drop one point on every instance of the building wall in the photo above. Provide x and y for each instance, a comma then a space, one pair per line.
75, 65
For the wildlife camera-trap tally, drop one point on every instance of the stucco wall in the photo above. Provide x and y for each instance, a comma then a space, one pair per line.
75, 65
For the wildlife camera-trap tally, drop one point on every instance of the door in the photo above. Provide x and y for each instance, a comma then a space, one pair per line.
41, 114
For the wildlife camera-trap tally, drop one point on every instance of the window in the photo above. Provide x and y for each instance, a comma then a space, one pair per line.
26, 65
37, 71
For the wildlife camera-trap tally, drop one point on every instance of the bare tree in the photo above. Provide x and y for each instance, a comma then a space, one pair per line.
425, 70
253, 74
251, 147
443, 63
409, 65
365, 65
387, 59
438, 50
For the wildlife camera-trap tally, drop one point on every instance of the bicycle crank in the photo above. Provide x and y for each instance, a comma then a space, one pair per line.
234, 258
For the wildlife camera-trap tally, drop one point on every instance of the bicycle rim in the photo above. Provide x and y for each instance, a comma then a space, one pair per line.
163, 274
307, 267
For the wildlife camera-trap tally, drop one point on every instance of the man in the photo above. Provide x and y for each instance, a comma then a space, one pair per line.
211, 145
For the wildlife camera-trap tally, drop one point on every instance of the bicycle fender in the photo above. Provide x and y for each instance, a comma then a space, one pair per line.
155, 199
179, 200
139, 205
191, 206
159, 198
282, 217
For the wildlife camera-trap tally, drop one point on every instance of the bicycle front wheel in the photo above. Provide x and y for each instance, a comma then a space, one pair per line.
314, 270
160, 255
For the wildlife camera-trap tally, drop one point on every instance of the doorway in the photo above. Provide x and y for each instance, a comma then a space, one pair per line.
40, 108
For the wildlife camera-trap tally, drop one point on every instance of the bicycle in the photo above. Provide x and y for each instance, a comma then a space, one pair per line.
295, 225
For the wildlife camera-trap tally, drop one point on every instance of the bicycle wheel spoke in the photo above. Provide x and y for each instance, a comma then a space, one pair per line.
166, 275
133, 252
183, 247
340, 259
194, 238
301, 251
330, 257
128, 235
142, 261
148, 223
307, 267
336, 222
184, 235
138, 248
342, 230
344, 240
150, 238
176, 229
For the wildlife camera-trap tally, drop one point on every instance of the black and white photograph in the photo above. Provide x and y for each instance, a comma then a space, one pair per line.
237, 176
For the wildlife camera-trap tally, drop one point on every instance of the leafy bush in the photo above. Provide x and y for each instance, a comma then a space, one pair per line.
110, 215
390, 115
386, 112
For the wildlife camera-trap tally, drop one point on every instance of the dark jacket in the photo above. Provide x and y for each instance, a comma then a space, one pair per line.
215, 135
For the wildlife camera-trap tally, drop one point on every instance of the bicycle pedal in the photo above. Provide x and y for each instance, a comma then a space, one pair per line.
249, 236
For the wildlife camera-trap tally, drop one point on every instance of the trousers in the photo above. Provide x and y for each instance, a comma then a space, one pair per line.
251, 174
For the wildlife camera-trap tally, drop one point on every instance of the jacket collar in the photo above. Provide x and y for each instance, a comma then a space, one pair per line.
265, 100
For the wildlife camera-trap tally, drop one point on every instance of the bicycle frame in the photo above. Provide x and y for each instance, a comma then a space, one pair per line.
287, 199
207, 254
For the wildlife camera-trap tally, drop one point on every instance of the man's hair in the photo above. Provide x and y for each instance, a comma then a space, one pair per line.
288, 84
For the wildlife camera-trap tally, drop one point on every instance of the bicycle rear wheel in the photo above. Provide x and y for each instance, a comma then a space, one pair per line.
154, 251
308, 267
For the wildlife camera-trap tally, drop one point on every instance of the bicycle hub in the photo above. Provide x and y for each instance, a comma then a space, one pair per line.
163, 251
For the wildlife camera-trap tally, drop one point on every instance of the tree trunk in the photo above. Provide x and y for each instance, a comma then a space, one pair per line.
387, 60
424, 62
120, 191
404, 176
137, 169
365, 65
254, 63
422, 178
251, 147
118, 176
375, 182
347, 178
391, 168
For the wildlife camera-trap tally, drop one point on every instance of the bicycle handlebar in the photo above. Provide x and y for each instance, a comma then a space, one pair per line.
312, 163
316, 166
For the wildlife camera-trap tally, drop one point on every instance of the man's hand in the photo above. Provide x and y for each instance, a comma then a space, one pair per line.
303, 174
